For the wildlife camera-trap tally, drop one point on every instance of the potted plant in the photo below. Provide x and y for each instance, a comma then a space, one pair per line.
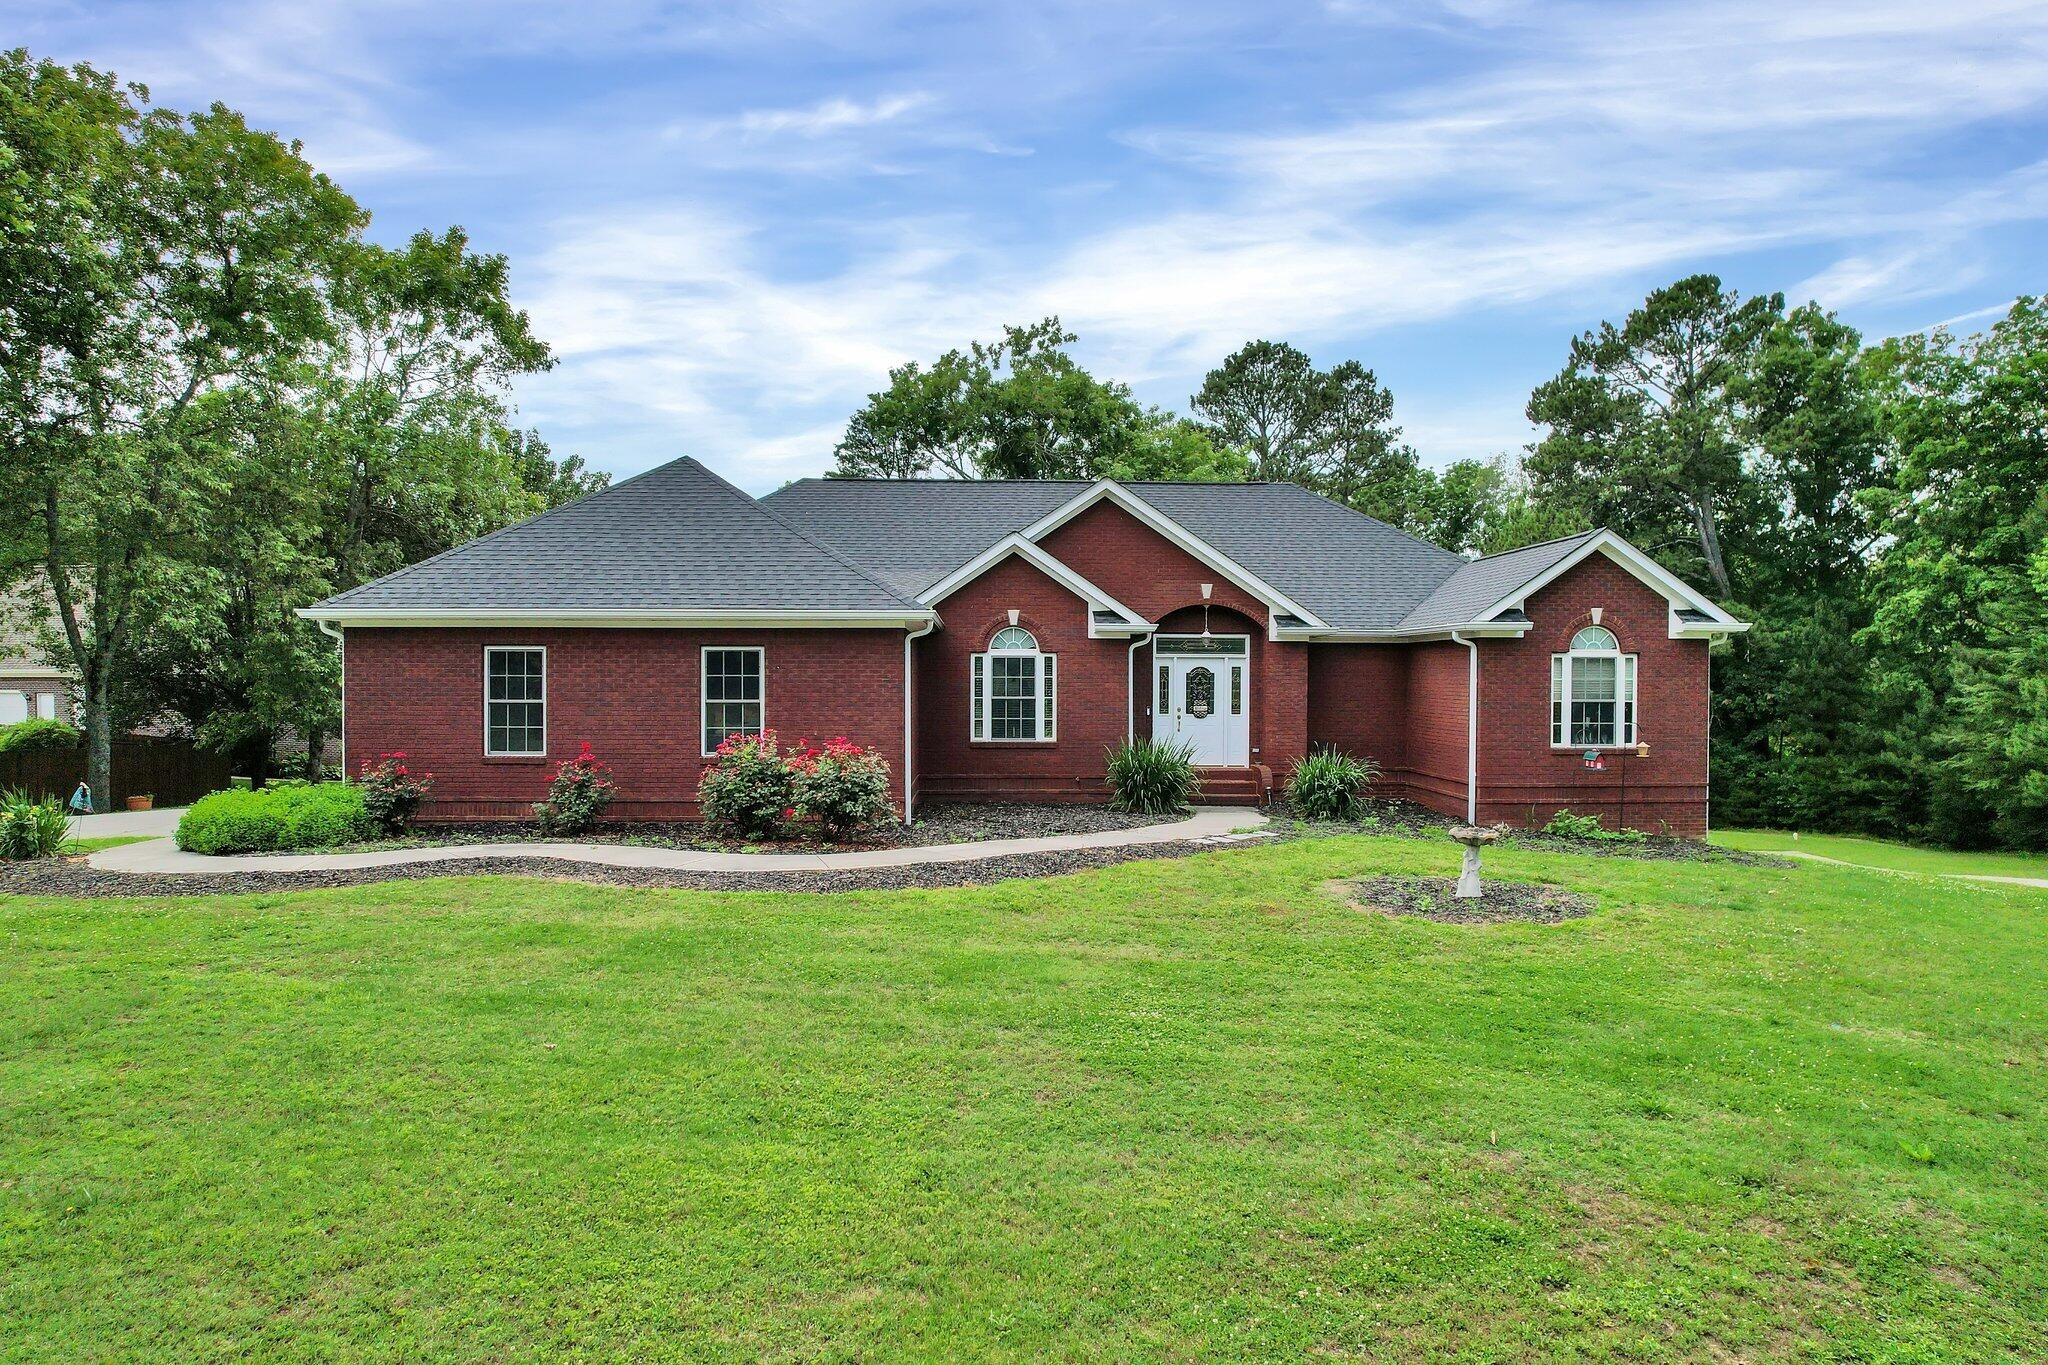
143, 802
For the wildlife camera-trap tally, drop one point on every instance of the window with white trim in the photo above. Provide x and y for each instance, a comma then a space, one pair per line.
1014, 689
515, 701
1593, 693
735, 693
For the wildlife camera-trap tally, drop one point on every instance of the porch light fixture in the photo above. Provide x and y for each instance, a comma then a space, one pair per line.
1208, 590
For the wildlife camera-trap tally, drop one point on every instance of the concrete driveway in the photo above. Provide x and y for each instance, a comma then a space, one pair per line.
161, 821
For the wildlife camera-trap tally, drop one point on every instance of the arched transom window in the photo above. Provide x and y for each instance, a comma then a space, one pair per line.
1593, 693
1015, 689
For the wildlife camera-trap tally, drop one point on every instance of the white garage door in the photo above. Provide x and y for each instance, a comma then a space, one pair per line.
13, 707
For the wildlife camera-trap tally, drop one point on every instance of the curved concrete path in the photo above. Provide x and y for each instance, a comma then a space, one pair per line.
1211, 824
2040, 882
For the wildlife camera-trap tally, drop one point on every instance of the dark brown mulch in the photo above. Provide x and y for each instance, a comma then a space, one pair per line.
1500, 902
72, 877
1406, 819
937, 823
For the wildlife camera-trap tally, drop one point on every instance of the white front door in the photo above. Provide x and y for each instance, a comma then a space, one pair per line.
1203, 697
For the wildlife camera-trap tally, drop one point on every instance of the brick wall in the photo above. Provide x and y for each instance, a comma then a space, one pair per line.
1523, 781
1358, 703
634, 694
1092, 694
1156, 578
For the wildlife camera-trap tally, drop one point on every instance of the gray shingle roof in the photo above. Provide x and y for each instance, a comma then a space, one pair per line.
1352, 571
1478, 583
676, 538
679, 538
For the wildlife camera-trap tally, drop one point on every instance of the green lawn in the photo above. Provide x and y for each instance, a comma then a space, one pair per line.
73, 847
1176, 1109
1885, 853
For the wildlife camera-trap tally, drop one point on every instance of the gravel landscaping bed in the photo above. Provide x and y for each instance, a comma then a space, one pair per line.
937, 823
1499, 902
1406, 819
72, 877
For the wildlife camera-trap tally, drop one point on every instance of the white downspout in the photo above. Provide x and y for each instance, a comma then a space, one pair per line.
909, 777
1131, 689
1471, 730
340, 648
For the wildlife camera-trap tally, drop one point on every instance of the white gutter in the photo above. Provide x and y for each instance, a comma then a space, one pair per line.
1131, 690
341, 649
909, 777
569, 617
1471, 730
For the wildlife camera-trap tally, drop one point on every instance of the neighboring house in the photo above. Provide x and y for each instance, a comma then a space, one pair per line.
992, 639
29, 685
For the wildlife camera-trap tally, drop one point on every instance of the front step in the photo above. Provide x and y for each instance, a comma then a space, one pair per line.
1233, 786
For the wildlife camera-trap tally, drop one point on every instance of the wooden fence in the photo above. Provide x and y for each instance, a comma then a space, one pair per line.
175, 771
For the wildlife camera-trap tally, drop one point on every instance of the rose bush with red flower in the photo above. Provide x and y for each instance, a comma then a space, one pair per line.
746, 789
577, 797
756, 790
842, 786
392, 791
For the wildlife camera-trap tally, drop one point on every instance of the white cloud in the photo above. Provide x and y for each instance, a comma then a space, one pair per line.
828, 116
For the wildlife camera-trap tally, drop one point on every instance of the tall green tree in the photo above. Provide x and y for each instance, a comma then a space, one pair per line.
165, 258
1019, 408
388, 442
1330, 430
1954, 589
1644, 431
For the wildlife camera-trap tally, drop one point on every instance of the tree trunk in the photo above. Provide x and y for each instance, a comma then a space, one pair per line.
316, 740
1710, 545
99, 740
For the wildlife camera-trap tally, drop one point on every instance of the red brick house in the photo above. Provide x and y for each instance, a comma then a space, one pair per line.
991, 639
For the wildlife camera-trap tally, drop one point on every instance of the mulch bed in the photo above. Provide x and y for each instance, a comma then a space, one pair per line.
1500, 902
937, 823
72, 876
1406, 819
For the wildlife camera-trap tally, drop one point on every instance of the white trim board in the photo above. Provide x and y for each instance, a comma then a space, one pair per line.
1172, 531
1052, 568
612, 618
1645, 569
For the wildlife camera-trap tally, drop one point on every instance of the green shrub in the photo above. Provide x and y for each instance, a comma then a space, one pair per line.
746, 790
1153, 777
37, 733
276, 819
842, 786
31, 828
1330, 785
392, 791
1565, 825
581, 789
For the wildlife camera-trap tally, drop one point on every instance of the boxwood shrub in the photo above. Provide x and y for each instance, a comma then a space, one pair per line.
37, 733
276, 819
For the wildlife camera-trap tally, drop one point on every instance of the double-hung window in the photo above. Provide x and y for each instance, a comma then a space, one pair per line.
515, 701
1015, 689
1593, 693
734, 693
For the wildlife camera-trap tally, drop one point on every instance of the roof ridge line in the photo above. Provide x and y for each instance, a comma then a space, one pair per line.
759, 506
1399, 531
1539, 544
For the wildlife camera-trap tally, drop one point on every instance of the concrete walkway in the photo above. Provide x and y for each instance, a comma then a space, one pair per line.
1212, 824
114, 822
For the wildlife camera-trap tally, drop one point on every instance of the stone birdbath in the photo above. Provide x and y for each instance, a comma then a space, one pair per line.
1473, 838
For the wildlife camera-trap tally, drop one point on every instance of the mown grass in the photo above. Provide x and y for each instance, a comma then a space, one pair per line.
73, 847
1173, 1109
1885, 853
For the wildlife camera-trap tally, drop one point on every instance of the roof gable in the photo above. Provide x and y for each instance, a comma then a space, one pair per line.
674, 541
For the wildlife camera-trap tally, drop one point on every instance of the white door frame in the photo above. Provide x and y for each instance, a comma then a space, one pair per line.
1222, 739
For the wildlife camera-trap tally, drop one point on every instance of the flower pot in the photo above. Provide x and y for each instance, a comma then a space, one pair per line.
141, 802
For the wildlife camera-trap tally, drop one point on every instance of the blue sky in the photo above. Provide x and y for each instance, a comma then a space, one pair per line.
731, 219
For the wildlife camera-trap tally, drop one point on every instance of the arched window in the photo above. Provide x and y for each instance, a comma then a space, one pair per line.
1593, 693
1015, 689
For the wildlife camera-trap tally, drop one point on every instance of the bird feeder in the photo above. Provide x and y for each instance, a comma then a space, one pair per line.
1596, 761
